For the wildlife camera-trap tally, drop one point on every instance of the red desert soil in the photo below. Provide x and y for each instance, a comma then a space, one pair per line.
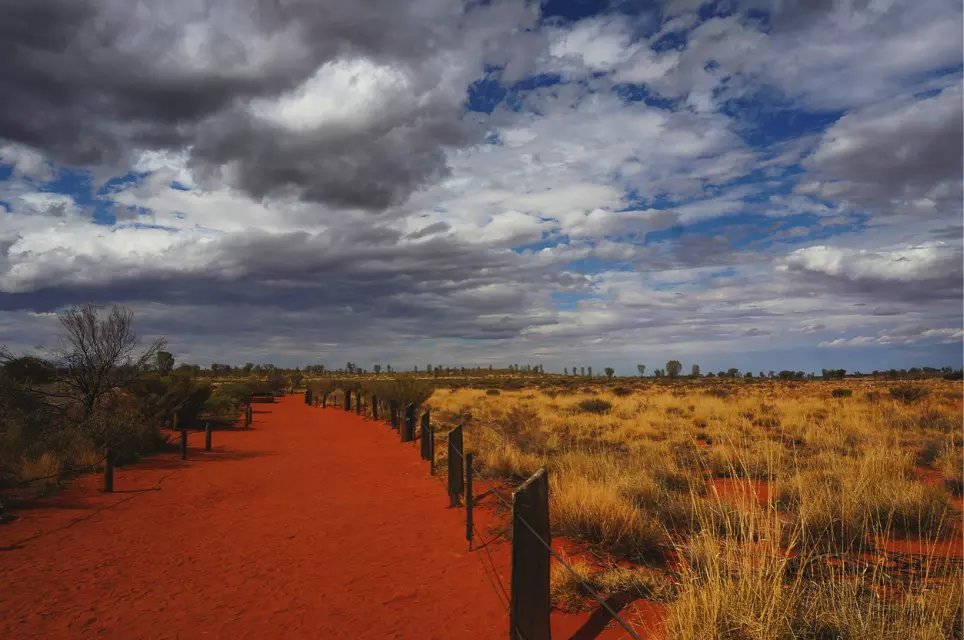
313, 524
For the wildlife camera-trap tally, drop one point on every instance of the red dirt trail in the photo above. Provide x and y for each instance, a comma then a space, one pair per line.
312, 524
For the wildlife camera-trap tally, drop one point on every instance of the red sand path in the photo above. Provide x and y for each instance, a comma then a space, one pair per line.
313, 524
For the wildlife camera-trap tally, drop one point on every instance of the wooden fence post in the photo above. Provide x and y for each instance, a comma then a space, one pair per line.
346, 405
358, 403
426, 443
529, 592
469, 499
393, 407
407, 433
207, 436
108, 470
183, 444
431, 450
374, 407
308, 398
456, 472
249, 415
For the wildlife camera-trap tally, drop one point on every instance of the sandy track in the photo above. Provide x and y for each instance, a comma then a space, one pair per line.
313, 524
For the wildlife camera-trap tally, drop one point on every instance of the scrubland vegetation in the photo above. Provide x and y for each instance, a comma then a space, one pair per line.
99, 390
768, 510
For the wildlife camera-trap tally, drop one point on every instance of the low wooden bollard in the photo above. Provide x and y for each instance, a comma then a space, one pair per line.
183, 444
108, 470
430, 434
393, 408
358, 403
374, 407
469, 499
207, 436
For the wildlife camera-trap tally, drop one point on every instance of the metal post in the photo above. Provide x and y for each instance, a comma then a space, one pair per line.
183, 444
207, 436
469, 499
108, 470
456, 472
529, 592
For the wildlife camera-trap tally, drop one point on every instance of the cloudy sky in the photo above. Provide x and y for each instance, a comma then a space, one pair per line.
756, 184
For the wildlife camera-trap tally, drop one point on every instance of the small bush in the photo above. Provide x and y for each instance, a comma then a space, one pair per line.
493, 392
622, 392
841, 393
908, 393
595, 405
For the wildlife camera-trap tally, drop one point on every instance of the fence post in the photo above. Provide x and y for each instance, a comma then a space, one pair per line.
431, 450
308, 398
393, 407
358, 403
249, 416
346, 405
426, 437
207, 436
183, 444
108, 470
529, 591
408, 431
374, 407
456, 472
469, 499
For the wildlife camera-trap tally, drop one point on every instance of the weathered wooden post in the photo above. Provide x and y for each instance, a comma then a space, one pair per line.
358, 403
431, 450
324, 401
250, 415
207, 436
426, 443
393, 408
308, 397
347, 403
374, 407
456, 471
183, 444
529, 591
469, 499
108, 470
407, 433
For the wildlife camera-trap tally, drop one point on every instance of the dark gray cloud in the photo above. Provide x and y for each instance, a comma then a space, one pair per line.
90, 82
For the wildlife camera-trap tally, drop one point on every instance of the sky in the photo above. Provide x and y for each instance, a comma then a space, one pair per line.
761, 185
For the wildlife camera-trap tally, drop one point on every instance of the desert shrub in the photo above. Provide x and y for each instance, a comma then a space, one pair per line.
42, 472
908, 393
522, 426
841, 393
622, 392
493, 392
596, 513
950, 462
595, 405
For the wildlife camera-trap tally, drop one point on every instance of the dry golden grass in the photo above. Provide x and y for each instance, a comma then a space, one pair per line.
642, 473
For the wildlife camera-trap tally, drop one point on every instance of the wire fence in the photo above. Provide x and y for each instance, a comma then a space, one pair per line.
462, 468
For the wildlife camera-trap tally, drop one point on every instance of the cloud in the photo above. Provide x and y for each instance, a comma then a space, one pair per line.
902, 156
352, 106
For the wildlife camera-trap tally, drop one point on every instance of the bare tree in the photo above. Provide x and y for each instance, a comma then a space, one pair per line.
98, 355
